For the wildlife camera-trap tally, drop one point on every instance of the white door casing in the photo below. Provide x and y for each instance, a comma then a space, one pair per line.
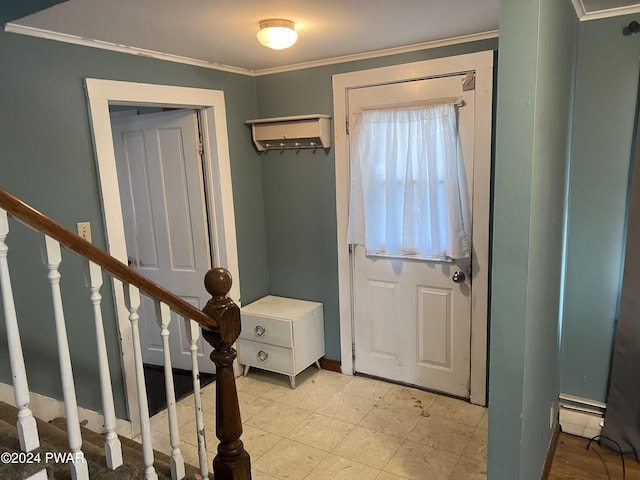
482, 64
162, 186
411, 322
218, 190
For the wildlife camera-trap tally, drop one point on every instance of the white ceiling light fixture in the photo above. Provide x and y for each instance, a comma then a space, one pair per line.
277, 33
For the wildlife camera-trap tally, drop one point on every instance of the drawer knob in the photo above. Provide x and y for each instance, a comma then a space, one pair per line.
260, 331
262, 355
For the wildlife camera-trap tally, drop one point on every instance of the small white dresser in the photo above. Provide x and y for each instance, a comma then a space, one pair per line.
282, 335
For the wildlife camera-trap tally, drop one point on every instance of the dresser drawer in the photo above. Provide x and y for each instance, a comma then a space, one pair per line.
268, 357
272, 331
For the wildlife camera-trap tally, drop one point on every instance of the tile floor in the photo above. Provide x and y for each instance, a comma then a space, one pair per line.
340, 427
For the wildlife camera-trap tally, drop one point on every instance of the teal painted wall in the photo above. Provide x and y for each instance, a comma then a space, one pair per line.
47, 159
535, 84
605, 108
299, 187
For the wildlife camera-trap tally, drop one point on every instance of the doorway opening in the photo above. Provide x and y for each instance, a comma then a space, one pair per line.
216, 170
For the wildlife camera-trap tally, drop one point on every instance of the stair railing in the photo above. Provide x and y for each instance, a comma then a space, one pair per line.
219, 320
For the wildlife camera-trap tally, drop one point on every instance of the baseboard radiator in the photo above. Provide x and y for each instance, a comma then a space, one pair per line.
581, 416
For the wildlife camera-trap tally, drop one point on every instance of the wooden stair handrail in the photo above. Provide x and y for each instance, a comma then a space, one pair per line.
38, 221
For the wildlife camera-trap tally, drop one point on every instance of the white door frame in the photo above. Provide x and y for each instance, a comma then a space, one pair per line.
217, 172
482, 64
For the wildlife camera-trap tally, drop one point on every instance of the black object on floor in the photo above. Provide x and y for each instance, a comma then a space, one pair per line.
182, 383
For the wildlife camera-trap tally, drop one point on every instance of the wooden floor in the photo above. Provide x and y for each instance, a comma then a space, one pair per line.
573, 461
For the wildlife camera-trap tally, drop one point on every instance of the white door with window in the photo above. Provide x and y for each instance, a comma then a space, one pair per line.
411, 302
161, 183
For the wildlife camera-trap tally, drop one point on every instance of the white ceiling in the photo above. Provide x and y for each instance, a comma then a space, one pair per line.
222, 33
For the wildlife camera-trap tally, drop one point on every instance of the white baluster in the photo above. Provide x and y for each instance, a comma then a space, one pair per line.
26, 424
52, 258
193, 334
112, 447
132, 301
163, 317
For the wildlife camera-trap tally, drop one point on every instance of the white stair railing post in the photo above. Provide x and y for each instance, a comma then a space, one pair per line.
163, 317
112, 447
26, 424
52, 258
132, 301
193, 334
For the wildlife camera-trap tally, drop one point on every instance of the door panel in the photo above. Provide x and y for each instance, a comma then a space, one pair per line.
162, 194
411, 321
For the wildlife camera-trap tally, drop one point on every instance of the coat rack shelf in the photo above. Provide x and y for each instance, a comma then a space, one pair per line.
302, 131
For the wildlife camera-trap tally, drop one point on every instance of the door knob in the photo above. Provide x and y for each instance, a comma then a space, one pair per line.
458, 277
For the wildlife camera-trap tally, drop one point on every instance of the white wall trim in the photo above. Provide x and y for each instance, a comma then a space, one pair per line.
583, 15
482, 64
114, 47
89, 42
219, 195
47, 409
381, 53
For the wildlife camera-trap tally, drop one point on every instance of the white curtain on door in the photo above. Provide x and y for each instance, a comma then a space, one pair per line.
408, 193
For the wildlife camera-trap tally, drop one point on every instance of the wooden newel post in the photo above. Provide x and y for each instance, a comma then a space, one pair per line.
232, 461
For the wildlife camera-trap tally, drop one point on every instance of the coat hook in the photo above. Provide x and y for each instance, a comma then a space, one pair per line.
633, 27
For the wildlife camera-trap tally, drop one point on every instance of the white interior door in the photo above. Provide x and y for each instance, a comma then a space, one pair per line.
165, 220
412, 322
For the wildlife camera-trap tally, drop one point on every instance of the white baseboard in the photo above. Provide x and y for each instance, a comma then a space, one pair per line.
581, 417
47, 408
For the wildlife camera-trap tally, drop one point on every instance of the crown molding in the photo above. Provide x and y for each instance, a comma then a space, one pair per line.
380, 53
583, 15
114, 47
88, 42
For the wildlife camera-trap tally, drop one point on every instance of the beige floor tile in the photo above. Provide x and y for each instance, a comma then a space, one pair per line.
257, 442
290, 460
308, 396
278, 418
391, 420
419, 462
255, 475
156, 436
442, 434
437, 429
368, 446
159, 422
388, 476
338, 468
208, 397
346, 407
484, 421
321, 432
457, 410
185, 413
476, 449
468, 469
190, 454
250, 405
189, 432
331, 380
367, 388
163, 445
260, 386
409, 398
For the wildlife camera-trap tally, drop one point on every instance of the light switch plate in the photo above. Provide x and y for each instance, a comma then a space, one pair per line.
84, 230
